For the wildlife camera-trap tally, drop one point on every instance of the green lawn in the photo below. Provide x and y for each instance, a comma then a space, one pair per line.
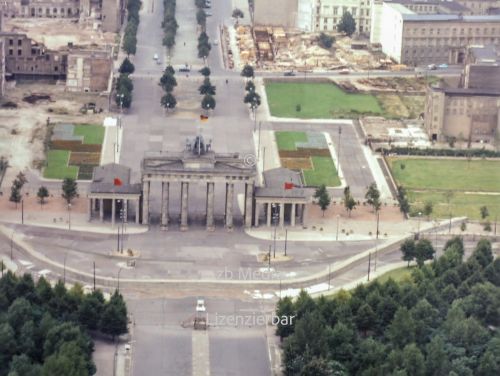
447, 174
429, 180
324, 173
287, 140
398, 275
57, 165
92, 134
318, 100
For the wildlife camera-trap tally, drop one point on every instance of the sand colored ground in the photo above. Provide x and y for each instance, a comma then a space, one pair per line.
57, 33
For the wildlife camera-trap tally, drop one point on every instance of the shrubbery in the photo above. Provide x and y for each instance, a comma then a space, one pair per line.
130, 34
169, 23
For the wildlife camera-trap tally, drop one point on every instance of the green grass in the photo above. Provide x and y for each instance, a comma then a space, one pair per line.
398, 275
92, 134
318, 100
324, 173
447, 174
57, 165
460, 204
288, 140
428, 180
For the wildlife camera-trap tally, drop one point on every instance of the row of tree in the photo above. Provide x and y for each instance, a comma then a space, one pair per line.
123, 85
130, 35
201, 16
69, 190
169, 23
323, 199
442, 320
168, 82
207, 90
204, 45
46, 330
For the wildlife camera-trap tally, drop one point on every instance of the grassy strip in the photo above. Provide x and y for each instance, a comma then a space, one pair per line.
288, 140
57, 165
92, 134
324, 173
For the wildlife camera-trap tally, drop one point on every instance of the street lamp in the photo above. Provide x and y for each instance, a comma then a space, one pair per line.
69, 216
120, 96
418, 226
338, 220
338, 151
12, 244
275, 223
118, 280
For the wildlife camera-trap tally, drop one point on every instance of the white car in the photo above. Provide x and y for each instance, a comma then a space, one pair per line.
200, 305
155, 57
215, 42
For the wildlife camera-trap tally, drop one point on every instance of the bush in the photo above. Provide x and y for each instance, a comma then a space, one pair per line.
127, 67
326, 41
469, 153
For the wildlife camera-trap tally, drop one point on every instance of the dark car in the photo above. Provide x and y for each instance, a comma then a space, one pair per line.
289, 73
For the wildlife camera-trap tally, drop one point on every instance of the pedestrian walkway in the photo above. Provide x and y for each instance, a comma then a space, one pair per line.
200, 353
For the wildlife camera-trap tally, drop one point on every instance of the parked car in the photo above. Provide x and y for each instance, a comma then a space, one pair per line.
432, 67
155, 57
208, 14
289, 73
443, 66
345, 71
200, 305
215, 42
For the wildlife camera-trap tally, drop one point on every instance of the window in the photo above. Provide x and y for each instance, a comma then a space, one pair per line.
335, 11
19, 52
11, 42
11, 52
33, 51
19, 42
56, 68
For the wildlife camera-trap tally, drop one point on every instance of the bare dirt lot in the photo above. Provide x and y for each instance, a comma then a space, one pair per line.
23, 130
57, 33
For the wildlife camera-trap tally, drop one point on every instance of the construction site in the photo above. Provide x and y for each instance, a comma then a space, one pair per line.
274, 48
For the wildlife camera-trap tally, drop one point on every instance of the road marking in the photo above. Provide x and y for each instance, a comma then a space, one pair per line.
200, 353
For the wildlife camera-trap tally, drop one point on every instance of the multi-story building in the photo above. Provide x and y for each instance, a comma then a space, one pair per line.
438, 34
328, 13
88, 71
472, 110
312, 15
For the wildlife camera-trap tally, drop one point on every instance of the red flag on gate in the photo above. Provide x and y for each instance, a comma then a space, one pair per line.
203, 118
117, 182
289, 185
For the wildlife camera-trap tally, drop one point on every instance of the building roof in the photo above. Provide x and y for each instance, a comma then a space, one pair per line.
274, 185
484, 54
469, 92
450, 17
103, 180
485, 77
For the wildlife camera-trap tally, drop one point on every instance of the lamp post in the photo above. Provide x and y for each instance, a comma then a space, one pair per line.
118, 280
12, 244
22, 211
338, 151
120, 96
378, 222
275, 223
69, 216
338, 220
64, 268
418, 226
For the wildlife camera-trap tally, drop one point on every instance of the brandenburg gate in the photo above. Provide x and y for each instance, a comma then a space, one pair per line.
197, 164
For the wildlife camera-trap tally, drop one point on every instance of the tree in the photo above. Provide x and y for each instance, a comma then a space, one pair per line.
365, 318
250, 86
207, 88
424, 251
428, 207
201, 18
168, 82
129, 43
42, 194
401, 331
285, 308
168, 101
126, 67
408, 250
253, 99
347, 24
323, 197
169, 39
124, 98
349, 201
114, 316
373, 197
237, 13
123, 83
484, 212
247, 71
205, 71
208, 102
69, 189
15, 193
90, 311
204, 50
326, 41
413, 360
169, 70
22, 365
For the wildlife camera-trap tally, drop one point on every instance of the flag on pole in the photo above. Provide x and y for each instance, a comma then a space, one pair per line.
117, 182
289, 185
203, 118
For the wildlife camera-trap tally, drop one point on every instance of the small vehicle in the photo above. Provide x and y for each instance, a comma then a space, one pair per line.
158, 62
185, 69
345, 71
432, 67
215, 42
208, 14
443, 66
155, 57
289, 73
200, 305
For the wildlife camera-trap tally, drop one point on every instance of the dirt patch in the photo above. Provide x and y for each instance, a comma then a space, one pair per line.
35, 98
393, 105
297, 163
304, 153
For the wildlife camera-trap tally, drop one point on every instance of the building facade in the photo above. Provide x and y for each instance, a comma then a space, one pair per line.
328, 13
472, 111
88, 71
414, 38
41, 8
